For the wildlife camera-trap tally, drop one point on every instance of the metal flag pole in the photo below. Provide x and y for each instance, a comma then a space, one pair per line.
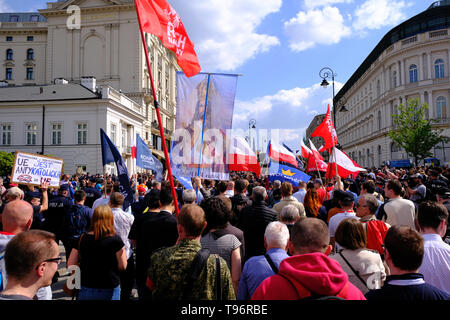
158, 114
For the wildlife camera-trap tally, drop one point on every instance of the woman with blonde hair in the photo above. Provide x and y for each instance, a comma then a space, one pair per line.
101, 257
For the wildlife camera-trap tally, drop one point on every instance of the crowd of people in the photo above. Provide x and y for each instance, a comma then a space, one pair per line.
379, 235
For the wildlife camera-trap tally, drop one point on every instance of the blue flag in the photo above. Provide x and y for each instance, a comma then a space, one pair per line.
145, 159
285, 173
185, 181
111, 154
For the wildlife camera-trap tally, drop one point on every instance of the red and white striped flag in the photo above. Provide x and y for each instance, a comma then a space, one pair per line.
281, 154
242, 157
343, 164
306, 152
314, 151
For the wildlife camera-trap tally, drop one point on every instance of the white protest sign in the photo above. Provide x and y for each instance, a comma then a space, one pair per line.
33, 169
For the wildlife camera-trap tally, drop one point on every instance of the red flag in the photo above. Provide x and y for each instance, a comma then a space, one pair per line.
159, 18
133, 152
315, 164
327, 132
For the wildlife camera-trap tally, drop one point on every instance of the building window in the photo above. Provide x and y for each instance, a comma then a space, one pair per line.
441, 105
14, 18
34, 18
30, 38
394, 79
395, 147
412, 73
112, 133
6, 134
82, 133
31, 133
30, 75
9, 38
124, 138
56, 133
30, 54
379, 119
9, 54
439, 69
9, 74
378, 88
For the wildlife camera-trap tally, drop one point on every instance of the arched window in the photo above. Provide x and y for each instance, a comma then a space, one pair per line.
30, 54
395, 147
9, 54
439, 68
441, 105
412, 73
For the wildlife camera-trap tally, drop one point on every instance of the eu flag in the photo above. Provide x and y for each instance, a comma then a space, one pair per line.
284, 173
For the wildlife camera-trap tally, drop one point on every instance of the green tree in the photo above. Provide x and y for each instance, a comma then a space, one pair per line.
6, 163
414, 133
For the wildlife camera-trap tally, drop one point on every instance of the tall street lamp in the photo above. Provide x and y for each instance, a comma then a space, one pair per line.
326, 73
251, 125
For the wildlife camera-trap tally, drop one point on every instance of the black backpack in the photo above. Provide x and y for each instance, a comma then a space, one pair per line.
77, 223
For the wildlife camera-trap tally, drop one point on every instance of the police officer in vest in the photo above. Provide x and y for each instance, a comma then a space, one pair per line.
58, 208
92, 193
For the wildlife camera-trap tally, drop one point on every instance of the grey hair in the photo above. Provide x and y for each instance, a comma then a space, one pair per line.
277, 183
189, 196
371, 202
15, 193
259, 193
276, 235
289, 213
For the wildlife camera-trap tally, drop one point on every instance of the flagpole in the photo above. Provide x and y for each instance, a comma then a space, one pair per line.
158, 114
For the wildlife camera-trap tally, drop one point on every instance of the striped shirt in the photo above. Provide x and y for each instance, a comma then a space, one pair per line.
222, 246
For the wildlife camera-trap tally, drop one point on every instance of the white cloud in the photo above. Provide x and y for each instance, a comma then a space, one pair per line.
313, 27
375, 14
224, 32
311, 4
4, 7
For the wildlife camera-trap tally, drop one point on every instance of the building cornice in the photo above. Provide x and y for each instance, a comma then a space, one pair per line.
55, 12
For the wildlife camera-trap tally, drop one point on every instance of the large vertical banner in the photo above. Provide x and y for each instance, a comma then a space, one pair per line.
205, 104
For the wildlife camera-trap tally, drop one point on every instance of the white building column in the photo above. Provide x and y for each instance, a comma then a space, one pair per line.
421, 68
431, 104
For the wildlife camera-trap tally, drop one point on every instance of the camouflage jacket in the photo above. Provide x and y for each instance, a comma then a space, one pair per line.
169, 269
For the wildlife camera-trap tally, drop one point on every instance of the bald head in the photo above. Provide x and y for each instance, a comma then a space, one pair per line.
17, 216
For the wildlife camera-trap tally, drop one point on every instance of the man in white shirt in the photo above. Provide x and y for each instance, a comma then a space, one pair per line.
432, 223
122, 223
104, 199
300, 194
399, 211
346, 201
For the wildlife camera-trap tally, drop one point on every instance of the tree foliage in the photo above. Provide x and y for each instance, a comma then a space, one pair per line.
6, 163
414, 133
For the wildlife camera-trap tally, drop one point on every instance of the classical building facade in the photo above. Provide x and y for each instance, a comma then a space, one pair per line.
63, 120
411, 61
91, 38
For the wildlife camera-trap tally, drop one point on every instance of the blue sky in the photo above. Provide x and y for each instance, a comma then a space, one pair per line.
279, 47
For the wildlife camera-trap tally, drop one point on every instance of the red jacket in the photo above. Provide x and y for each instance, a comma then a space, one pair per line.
311, 272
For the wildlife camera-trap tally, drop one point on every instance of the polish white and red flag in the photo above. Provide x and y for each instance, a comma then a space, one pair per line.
242, 157
160, 19
306, 152
280, 153
342, 165
314, 151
